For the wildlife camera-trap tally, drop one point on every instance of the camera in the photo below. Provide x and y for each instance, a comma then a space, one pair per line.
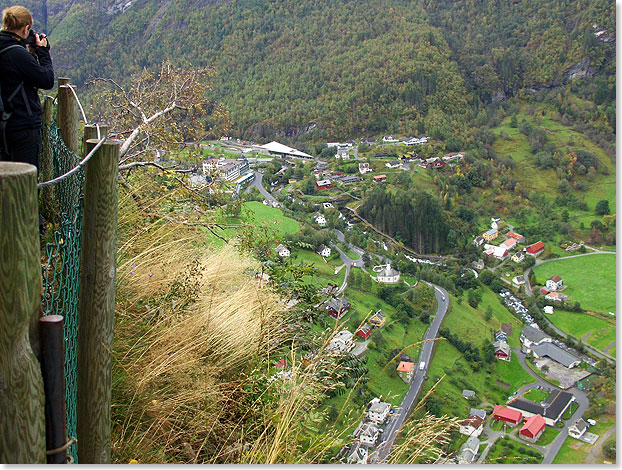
31, 40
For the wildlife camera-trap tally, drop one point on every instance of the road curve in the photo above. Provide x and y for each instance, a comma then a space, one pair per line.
394, 426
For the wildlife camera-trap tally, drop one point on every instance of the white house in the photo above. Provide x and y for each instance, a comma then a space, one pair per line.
388, 275
327, 205
364, 168
469, 450
369, 434
389, 139
358, 454
324, 251
393, 164
494, 222
378, 411
342, 341
548, 309
578, 429
320, 219
282, 251
554, 283
518, 257
343, 153
518, 280
473, 426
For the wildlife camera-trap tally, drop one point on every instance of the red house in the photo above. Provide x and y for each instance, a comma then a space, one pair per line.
323, 184
364, 331
502, 413
535, 249
438, 164
533, 428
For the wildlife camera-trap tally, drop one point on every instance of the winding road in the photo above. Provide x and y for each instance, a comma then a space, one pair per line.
395, 424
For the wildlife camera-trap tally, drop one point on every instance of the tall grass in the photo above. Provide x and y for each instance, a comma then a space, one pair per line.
196, 334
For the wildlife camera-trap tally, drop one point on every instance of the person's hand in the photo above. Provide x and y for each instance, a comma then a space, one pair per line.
41, 40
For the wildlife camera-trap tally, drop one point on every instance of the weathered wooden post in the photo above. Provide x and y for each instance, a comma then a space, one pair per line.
68, 114
96, 303
90, 132
22, 420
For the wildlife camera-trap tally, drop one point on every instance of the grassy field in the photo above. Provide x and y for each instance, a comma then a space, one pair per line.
574, 451
601, 332
258, 215
591, 280
536, 395
548, 436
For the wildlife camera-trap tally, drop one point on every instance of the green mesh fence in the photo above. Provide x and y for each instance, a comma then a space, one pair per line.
61, 267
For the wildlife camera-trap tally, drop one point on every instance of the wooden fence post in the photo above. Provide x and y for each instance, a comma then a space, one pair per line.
68, 114
97, 303
90, 132
22, 419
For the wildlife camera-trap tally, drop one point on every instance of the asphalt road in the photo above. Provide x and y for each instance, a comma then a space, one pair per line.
391, 429
257, 182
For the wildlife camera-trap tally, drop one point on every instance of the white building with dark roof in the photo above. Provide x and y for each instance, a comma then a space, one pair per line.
388, 275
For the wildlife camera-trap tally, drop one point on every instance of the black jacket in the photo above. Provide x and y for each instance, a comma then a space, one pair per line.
18, 65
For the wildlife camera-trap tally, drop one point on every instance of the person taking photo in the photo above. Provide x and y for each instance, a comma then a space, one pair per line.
21, 74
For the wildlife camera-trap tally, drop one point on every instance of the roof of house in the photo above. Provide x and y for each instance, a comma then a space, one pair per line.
504, 412
502, 346
280, 247
492, 231
510, 243
380, 407
377, 177
336, 303
533, 425
471, 446
379, 314
474, 421
556, 353
322, 248
369, 429
544, 291
365, 328
555, 279
388, 271
533, 334
405, 366
515, 235
280, 148
468, 393
477, 412
580, 425
553, 407
325, 182
535, 248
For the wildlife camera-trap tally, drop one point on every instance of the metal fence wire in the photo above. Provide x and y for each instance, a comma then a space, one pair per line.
61, 260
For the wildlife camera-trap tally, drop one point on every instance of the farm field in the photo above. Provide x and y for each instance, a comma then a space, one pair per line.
259, 215
591, 280
590, 329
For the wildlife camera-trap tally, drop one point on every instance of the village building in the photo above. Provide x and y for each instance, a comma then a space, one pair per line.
282, 251
378, 411
535, 249
496, 222
468, 394
502, 350
406, 370
343, 153
364, 331
478, 412
554, 283
319, 219
533, 336
509, 244
389, 139
518, 257
341, 342
226, 168
324, 251
393, 164
380, 178
283, 151
378, 319
501, 335
358, 454
478, 241
556, 296
327, 205
517, 236
479, 264
533, 428
518, 281
364, 168
509, 416
469, 451
551, 409
388, 275
450, 157
336, 308
369, 434
578, 429
491, 234
556, 353
548, 309
323, 184
472, 426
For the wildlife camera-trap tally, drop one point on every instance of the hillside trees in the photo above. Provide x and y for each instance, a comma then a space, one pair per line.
415, 216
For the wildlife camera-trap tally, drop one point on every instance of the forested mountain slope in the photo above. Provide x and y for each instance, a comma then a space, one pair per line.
344, 68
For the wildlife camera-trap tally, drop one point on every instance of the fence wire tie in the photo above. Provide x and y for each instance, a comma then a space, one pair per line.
76, 168
68, 444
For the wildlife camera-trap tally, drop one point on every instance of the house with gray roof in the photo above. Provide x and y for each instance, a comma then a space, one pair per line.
551, 409
533, 336
477, 412
469, 450
556, 353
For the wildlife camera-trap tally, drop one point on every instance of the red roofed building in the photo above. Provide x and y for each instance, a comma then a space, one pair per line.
533, 428
324, 184
502, 413
364, 331
544, 291
516, 236
535, 249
